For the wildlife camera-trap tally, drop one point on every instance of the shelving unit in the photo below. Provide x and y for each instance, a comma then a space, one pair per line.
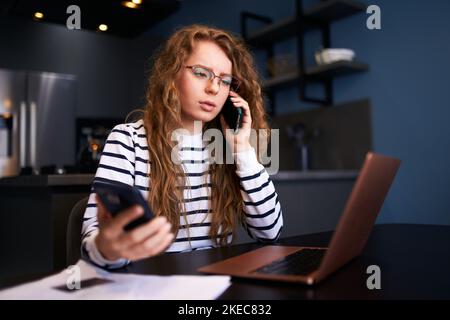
319, 16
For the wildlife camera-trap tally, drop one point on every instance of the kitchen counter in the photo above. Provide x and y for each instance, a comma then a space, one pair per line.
86, 179
38, 209
47, 180
312, 201
315, 175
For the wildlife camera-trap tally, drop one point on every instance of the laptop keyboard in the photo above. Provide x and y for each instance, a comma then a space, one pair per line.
301, 262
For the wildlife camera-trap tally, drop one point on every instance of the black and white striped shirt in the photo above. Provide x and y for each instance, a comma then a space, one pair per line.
125, 159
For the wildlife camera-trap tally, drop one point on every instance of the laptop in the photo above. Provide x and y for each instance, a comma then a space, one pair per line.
310, 265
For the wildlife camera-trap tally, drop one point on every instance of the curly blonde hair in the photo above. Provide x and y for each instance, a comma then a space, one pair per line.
163, 115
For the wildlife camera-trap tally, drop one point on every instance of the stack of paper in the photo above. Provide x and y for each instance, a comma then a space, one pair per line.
96, 283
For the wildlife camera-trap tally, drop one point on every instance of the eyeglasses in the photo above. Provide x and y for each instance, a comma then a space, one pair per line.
204, 73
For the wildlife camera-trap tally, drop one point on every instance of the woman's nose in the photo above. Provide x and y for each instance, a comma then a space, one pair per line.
213, 86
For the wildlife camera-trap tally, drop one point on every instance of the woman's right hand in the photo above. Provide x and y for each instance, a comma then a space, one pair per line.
144, 241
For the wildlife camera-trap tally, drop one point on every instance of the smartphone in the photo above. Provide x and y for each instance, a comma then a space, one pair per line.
117, 197
233, 115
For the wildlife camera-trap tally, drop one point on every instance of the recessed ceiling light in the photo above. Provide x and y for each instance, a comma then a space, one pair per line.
103, 27
136, 1
38, 15
130, 4
7, 103
6, 115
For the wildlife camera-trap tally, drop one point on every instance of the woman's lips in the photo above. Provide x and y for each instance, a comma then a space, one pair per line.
207, 107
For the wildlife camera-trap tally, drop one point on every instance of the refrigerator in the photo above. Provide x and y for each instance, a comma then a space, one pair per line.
37, 121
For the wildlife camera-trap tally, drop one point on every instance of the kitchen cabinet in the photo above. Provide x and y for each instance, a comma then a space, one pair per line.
34, 211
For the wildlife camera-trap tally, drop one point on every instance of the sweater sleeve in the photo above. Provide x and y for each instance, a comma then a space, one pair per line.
116, 165
263, 215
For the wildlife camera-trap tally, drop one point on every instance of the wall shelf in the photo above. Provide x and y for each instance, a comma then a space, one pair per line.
335, 69
325, 12
340, 68
333, 10
318, 16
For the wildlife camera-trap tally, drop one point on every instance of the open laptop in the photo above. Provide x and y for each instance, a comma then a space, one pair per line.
310, 265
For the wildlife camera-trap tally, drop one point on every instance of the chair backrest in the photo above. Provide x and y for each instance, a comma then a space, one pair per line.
73, 240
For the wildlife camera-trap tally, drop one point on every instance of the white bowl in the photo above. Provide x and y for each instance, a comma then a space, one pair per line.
326, 56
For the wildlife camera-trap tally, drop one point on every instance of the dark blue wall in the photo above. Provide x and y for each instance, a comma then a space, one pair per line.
410, 91
408, 84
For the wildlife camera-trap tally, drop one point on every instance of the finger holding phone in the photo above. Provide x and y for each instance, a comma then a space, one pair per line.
240, 140
146, 240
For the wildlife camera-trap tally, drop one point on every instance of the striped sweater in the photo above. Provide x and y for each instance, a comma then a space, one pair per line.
125, 158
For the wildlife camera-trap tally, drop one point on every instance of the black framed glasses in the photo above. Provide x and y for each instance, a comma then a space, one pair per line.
204, 73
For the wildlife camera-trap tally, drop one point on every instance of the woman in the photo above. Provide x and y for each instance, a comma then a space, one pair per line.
200, 202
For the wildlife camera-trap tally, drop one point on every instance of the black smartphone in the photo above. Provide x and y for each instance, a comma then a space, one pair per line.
233, 115
117, 197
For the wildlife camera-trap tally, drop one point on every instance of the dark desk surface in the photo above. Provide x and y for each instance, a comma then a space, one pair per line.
414, 262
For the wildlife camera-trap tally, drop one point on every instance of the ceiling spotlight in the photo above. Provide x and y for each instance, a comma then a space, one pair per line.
103, 27
136, 1
38, 15
130, 4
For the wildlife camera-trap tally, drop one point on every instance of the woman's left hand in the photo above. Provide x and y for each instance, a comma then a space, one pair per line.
241, 140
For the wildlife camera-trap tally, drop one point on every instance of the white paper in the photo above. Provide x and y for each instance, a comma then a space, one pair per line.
123, 286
